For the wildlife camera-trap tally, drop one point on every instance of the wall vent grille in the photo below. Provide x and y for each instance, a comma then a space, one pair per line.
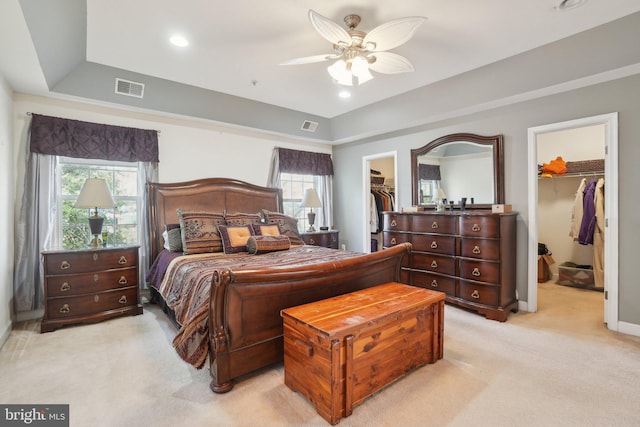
309, 126
129, 88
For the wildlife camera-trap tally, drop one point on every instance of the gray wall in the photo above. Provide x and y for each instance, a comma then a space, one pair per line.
513, 121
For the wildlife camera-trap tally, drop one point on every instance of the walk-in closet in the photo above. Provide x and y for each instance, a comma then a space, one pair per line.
382, 196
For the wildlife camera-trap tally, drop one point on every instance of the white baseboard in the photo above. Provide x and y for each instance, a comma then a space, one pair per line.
5, 335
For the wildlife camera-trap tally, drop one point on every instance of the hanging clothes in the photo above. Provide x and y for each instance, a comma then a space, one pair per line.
577, 210
382, 200
598, 236
588, 223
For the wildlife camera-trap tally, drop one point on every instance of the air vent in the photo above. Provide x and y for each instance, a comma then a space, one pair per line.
309, 126
129, 88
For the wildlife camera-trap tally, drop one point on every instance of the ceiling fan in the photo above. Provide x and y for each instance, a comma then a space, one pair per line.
357, 52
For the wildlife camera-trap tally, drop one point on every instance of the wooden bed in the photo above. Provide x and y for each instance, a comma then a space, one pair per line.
245, 331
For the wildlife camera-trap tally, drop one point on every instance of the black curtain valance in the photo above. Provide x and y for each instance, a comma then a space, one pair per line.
429, 172
304, 162
72, 138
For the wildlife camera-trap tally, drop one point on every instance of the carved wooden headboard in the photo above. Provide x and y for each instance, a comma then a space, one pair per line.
211, 195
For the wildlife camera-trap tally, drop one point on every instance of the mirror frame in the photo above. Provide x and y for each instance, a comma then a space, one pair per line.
495, 141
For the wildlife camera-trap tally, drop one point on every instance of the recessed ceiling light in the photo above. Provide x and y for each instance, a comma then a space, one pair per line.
570, 4
344, 94
178, 40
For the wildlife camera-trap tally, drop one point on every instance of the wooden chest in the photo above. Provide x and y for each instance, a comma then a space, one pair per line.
341, 350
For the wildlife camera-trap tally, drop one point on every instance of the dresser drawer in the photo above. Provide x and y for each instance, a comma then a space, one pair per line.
434, 282
88, 261
434, 243
438, 263
480, 248
482, 271
78, 284
480, 226
443, 224
66, 307
478, 293
391, 239
395, 221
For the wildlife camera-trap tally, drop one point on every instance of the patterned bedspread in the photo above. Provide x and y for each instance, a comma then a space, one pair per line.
187, 283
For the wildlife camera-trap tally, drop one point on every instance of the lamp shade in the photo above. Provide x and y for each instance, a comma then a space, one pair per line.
95, 194
310, 199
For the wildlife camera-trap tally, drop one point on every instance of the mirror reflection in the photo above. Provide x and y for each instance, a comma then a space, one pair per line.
456, 170
458, 167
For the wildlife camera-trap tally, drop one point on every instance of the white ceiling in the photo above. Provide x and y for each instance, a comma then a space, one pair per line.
235, 47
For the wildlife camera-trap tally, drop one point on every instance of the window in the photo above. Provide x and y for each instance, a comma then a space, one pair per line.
429, 190
293, 186
120, 223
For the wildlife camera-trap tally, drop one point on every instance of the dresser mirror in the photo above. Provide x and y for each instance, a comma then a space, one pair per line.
457, 167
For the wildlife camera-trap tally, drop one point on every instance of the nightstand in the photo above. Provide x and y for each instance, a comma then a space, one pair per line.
89, 285
328, 239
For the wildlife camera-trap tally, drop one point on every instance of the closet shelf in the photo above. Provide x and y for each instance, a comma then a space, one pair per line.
571, 175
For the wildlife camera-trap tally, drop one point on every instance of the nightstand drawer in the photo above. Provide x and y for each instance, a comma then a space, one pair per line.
60, 308
78, 284
328, 239
92, 260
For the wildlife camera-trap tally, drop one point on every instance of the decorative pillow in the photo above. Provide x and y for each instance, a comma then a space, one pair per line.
173, 237
263, 229
288, 225
262, 244
199, 231
234, 237
240, 218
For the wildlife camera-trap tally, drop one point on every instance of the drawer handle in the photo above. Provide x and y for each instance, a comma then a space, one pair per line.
434, 245
434, 225
64, 265
122, 281
476, 249
96, 298
475, 294
96, 277
434, 264
434, 283
394, 223
95, 256
312, 242
475, 227
122, 260
393, 241
333, 239
65, 287
123, 299
65, 309
476, 272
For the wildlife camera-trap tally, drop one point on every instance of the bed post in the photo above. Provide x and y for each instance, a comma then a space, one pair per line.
221, 381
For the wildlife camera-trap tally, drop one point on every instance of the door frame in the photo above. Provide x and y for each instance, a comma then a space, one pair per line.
611, 210
366, 192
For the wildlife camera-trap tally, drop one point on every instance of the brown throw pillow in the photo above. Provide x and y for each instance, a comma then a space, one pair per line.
262, 244
288, 225
240, 218
234, 238
266, 229
199, 231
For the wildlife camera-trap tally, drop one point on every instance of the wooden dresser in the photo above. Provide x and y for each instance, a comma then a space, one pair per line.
328, 239
469, 255
89, 285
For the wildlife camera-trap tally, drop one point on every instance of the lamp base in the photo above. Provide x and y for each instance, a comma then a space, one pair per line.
95, 241
311, 216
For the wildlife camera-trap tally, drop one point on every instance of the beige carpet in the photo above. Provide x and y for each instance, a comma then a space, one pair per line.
558, 367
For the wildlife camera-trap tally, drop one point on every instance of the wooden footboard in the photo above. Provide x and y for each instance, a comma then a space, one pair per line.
245, 327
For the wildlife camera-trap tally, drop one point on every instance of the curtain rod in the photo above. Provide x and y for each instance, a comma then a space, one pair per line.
29, 113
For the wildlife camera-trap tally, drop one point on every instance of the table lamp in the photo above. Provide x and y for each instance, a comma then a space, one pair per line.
311, 200
93, 195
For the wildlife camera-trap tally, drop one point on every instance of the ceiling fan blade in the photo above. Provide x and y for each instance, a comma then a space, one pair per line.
393, 33
308, 59
329, 29
390, 63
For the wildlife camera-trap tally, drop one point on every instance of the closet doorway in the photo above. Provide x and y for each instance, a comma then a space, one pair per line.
387, 166
537, 138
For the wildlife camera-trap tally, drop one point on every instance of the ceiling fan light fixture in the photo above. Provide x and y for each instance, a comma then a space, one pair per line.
340, 72
360, 69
